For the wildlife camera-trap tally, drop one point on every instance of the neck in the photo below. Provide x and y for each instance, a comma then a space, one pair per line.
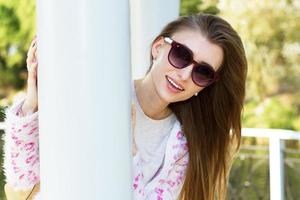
151, 103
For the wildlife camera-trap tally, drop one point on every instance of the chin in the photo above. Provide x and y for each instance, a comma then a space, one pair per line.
167, 98
166, 94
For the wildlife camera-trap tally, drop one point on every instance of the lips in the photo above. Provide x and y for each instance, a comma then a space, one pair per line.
174, 84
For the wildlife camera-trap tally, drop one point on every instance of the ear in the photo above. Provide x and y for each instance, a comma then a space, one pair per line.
156, 47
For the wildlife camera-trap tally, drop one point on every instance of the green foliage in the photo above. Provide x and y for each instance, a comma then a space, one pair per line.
9, 20
270, 31
271, 34
17, 28
198, 6
2, 114
296, 123
271, 113
249, 176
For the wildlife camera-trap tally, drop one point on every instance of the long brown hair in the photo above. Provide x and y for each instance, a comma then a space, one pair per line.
211, 120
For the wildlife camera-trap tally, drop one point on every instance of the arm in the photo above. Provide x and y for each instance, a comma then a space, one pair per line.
21, 149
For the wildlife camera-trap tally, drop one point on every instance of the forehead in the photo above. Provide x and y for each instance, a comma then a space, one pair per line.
203, 50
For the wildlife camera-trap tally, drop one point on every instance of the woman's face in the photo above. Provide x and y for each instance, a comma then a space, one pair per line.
163, 73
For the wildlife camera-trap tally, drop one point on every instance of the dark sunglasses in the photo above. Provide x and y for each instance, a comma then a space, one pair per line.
181, 56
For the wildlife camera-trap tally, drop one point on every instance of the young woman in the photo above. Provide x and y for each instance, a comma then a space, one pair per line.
187, 120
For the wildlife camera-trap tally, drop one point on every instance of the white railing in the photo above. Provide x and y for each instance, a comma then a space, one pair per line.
276, 163
2, 126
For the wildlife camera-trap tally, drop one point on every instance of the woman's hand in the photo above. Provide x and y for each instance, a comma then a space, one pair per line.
31, 102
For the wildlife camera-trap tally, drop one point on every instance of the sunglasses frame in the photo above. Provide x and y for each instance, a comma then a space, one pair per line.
173, 44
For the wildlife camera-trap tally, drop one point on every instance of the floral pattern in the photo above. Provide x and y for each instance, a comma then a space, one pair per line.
21, 163
168, 180
21, 150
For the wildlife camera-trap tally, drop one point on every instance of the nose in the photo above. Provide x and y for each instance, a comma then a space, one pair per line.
185, 73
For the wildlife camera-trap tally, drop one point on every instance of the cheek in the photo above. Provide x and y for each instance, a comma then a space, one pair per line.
160, 68
162, 62
157, 74
155, 71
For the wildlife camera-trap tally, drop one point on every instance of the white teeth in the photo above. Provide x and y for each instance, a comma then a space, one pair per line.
174, 84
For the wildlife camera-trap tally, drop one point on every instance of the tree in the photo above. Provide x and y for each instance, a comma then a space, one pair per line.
271, 33
197, 6
17, 28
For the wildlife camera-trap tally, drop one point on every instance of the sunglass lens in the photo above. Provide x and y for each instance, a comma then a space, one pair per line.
202, 75
179, 56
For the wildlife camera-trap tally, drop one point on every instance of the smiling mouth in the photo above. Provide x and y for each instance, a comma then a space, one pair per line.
174, 84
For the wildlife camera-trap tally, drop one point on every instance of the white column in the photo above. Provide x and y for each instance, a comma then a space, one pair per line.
147, 20
276, 168
84, 99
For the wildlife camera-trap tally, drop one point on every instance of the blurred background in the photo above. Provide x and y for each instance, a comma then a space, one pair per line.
270, 31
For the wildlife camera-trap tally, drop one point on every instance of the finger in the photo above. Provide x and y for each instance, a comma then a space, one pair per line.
31, 55
32, 49
32, 70
32, 44
34, 39
35, 53
31, 61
